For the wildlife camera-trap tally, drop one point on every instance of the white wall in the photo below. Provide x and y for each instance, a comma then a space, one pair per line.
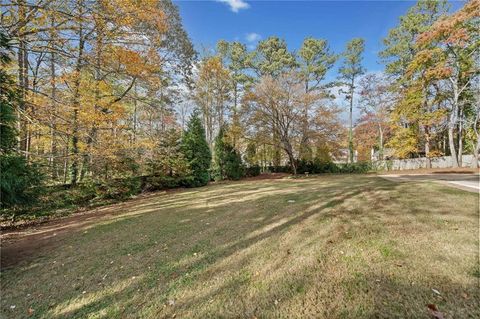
415, 163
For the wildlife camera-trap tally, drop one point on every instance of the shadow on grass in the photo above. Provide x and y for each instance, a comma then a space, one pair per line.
207, 268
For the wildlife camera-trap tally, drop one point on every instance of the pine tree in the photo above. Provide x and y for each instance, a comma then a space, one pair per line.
219, 156
17, 177
233, 163
350, 71
196, 151
227, 160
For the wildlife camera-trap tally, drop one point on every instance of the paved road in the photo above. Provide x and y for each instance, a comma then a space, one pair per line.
468, 182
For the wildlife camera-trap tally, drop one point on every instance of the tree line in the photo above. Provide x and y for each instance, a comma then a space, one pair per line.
114, 89
426, 103
281, 104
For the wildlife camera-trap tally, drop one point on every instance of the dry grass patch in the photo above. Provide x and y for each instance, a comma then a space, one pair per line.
321, 247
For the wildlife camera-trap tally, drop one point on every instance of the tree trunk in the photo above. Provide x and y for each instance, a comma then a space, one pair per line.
428, 162
53, 112
304, 149
460, 137
292, 160
476, 150
451, 144
22, 59
93, 131
65, 164
74, 169
235, 102
380, 133
453, 121
135, 107
350, 121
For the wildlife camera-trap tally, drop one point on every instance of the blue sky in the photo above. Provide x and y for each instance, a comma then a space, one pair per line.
336, 21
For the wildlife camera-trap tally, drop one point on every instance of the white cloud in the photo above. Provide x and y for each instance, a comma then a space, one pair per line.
252, 37
235, 5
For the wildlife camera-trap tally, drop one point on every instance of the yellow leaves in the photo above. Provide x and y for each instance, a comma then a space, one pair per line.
133, 13
404, 141
212, 69
433, 117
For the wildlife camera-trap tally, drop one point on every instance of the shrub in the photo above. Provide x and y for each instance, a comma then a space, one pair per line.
20, 183
318, 167
120, 188
355, 168
153, 183
252, 171
279, 169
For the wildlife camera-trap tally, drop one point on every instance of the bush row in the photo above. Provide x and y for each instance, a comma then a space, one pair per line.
318, 167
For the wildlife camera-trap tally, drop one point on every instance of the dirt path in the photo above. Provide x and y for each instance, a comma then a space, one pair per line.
23, 244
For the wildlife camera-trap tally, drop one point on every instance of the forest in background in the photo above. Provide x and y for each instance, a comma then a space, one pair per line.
105, 99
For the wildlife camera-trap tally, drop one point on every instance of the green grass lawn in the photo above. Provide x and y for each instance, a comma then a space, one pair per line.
320, 247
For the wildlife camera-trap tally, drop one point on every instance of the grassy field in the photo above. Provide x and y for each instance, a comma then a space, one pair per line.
320, 247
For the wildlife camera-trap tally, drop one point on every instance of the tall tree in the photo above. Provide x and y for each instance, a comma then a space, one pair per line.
448, 51
376, 102
100, 82
350, 71
196, 151
277, 103
314, 59
399, 45
212, 90
399, 51
237, 59
18, 178
227, 160
272, 58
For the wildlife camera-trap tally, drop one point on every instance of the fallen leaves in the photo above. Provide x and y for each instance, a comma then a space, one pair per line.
432, 309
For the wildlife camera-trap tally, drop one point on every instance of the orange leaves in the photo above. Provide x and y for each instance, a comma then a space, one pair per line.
440, 71
454, 29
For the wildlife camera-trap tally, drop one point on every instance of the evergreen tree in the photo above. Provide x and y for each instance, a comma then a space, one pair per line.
227, 161
219, 156
196, 151
17, 177
233, 163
